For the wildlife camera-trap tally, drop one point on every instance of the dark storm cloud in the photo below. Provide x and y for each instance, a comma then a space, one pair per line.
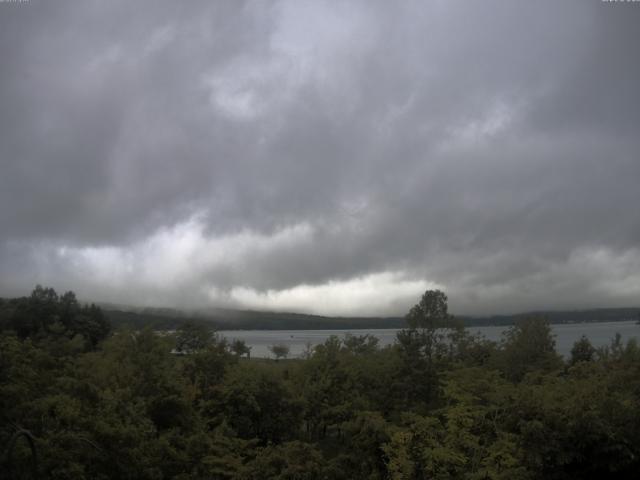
290, 154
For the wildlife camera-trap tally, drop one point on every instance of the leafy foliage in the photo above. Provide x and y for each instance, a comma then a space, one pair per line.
440, 403
279, 351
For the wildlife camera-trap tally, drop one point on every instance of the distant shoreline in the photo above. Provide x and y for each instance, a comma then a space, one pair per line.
225, 320
373, 329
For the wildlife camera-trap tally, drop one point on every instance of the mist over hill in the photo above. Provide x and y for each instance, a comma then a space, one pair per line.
229, 319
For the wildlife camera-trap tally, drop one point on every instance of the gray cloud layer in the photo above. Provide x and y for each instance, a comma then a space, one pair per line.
331, 157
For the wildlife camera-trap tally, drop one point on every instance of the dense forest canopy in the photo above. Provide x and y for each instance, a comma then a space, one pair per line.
80, 401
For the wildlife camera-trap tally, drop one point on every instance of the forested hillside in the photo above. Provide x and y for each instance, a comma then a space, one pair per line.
227, 319
79, 401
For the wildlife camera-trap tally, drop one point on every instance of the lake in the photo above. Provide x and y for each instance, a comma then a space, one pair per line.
599, 334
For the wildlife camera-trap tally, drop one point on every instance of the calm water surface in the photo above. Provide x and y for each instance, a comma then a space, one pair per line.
599, 334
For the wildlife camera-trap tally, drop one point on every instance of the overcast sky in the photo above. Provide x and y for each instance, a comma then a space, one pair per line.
329, 157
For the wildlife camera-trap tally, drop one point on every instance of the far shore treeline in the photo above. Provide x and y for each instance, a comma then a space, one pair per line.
228, 319
80, 399
225, 319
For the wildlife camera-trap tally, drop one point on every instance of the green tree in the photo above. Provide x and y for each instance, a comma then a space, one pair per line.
240, 348
91, 323
290, 461
582, 351
527, 346
360, 344
193, 337
423, 347
279, 350
431, 312
205, 369
257, 403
